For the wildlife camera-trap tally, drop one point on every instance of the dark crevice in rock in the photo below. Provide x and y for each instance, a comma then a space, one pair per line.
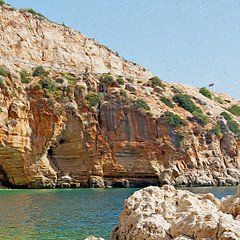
127, 129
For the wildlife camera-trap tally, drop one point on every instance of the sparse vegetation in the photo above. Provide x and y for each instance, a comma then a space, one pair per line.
139, 81
227, 116
3, 72
141, 104
69, 78
48, 84
177, 89
173, 119
130, 80
107, 79
36, 85
107, 48
20, 89
8, 82
92, 99
30, 10
58, 95
24, 76
40, 71
217, 131
202, 119
86, 73
1, 81
232, 125
155, 81
234, 109
167, 101
123, 93
29, 27
184, 101
219, 100
205, 92
2, 3
120, 81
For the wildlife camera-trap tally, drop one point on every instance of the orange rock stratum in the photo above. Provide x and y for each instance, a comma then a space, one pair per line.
79, 129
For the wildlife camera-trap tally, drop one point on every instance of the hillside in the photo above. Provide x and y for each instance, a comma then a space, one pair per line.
103, 123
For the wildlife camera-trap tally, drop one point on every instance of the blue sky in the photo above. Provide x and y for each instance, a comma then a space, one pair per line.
194, 42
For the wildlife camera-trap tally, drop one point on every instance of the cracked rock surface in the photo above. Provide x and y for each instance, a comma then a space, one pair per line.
167, 213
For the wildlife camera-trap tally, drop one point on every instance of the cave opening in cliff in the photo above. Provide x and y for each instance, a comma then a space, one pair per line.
4, 181
50, 152
61, 141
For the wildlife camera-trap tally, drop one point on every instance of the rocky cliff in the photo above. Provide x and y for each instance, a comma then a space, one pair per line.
100, 128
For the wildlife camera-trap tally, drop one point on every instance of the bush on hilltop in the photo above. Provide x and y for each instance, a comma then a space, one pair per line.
205, 92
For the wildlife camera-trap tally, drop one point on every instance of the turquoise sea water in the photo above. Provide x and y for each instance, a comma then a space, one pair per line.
68, 213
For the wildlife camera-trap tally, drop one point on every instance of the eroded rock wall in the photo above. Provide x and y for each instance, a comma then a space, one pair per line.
56, 137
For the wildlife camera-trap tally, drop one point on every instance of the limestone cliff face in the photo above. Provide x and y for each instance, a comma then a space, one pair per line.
34, 39
51, 134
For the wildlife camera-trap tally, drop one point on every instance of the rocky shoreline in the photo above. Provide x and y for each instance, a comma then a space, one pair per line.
155, 213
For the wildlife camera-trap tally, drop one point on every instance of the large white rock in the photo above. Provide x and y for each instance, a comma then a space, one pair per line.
155, 213
93, 238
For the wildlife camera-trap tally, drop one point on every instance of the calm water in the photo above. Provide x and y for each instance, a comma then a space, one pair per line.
67, 213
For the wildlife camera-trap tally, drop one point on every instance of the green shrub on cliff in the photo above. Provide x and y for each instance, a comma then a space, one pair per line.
232, 125
30, 10
3, 72
202, 119
120, 81
92, 98
177, 89
40, 72
205, 92
217, 131
48, 84
2, 3
107, 79
226, 116
220, 100
173, 119
156, 81
234, 109
1, 81
24, 76
167, 101
184, 101
141, 104
58, 95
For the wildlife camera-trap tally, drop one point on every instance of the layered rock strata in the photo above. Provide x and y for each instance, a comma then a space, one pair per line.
165, 213
51, 135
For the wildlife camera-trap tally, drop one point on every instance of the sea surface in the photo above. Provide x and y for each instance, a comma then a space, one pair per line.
68, 213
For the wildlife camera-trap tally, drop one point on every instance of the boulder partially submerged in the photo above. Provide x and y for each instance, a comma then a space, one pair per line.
166, 213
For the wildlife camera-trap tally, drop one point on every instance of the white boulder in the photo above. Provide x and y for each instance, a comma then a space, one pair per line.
155, 213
